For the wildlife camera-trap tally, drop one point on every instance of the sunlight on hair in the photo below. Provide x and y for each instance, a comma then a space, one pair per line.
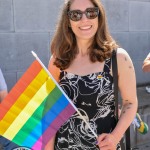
66, 1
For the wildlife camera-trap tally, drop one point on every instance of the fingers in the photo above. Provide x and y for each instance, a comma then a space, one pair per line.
102, 137
106, 142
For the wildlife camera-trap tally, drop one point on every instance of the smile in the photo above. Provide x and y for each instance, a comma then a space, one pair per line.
85, 27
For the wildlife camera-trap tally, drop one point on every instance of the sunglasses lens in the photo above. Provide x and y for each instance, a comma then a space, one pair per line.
92, 13
75, 15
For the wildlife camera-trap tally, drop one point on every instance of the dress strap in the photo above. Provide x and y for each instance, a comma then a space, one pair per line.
107, 65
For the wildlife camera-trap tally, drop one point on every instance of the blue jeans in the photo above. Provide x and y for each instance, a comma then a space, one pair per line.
6, 144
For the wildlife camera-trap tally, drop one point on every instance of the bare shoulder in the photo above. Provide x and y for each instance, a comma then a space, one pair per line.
51, 63
125, 63
123, 57
55, 71
122, 54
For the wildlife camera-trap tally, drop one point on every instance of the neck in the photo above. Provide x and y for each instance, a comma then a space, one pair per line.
83, 47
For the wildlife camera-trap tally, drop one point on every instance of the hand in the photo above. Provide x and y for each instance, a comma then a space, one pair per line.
107, 142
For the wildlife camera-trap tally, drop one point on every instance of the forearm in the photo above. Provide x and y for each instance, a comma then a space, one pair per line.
3, 94
50, 144
146, 64
128, 113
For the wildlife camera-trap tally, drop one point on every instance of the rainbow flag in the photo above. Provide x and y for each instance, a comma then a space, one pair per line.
34, 109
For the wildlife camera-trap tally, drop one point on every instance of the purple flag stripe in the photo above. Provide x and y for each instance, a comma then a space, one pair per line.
54, 127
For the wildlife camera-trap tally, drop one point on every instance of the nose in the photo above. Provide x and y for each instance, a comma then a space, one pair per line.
84, 17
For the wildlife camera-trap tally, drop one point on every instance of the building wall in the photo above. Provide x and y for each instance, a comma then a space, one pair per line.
27, 25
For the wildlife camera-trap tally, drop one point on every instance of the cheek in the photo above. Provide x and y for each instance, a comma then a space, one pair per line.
96, 24
74, 26
73, 23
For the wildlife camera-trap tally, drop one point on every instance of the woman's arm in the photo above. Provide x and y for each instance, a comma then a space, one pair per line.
127, 86
146, 64
55, 73
50, 144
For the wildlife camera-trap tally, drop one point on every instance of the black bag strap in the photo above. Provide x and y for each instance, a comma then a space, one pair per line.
127, 135
115, 78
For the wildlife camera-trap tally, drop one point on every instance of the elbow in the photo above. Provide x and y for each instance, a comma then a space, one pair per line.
146, 68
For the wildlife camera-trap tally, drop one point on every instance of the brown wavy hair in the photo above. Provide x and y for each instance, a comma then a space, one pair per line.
64, 46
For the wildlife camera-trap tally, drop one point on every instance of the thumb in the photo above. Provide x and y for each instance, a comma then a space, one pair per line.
101, 137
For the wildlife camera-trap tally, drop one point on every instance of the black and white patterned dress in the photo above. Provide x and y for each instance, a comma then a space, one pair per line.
93, 95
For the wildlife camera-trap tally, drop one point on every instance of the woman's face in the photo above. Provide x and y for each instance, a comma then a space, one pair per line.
84, 29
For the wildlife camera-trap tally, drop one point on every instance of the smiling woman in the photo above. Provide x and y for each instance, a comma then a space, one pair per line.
81, 63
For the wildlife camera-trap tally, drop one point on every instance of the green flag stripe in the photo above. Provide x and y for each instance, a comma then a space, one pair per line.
39, 113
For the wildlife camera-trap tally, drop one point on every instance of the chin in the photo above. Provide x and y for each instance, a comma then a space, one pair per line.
87, 37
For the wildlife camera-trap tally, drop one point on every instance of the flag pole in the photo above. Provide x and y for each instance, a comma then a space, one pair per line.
37, 58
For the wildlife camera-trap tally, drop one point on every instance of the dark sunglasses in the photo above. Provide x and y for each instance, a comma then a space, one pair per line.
76, 15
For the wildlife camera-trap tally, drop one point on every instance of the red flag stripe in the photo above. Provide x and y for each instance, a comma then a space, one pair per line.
28, 76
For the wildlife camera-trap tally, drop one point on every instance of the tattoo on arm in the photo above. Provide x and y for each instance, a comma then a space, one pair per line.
130, 67
128, 106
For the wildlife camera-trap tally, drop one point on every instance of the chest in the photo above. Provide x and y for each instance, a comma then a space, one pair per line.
84, 67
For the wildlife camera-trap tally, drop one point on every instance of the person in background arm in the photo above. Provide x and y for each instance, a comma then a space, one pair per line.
146, 68
146, 64
3, 94
5, 144
3, 87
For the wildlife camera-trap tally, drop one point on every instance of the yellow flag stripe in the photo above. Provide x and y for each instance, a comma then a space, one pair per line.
29, 109
23, 100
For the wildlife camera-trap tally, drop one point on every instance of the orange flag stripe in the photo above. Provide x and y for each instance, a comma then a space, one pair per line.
19, 88
23, 100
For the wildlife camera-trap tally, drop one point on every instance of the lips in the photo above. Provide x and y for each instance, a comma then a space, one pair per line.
85, 27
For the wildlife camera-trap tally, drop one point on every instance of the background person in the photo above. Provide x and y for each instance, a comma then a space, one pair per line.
146, 64
5, 144
3, 87
81, 63
146, 68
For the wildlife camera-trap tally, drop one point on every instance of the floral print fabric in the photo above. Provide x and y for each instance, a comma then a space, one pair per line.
93, 95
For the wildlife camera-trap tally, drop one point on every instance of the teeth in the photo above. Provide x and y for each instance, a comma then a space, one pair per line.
85, 28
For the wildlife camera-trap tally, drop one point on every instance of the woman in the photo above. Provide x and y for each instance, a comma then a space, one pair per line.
81, 63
